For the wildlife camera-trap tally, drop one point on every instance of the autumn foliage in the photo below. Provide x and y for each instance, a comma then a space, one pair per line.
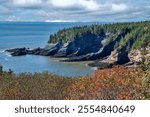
36, 86
117, 83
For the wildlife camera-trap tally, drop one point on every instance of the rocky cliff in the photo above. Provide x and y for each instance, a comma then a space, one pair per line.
113, 43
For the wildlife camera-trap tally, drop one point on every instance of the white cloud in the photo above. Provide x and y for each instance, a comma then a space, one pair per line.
27, 3
42, 13
12, 18
60, 21
63, 3
83, 4
118, 7
89, 4
137, 13
70, 10
66, 11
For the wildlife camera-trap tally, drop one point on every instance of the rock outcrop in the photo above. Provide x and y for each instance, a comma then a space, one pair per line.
18, 51
89, 46
49, 50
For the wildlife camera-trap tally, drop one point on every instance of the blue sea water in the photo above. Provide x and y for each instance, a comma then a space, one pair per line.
32, 35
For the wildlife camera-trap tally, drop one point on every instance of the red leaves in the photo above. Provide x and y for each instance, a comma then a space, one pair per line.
124, 96
120, 82
115, 83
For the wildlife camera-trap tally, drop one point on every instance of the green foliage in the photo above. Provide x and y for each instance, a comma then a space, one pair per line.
136, 37
10, 71
5, 72
145, 63
146, 82
1, 69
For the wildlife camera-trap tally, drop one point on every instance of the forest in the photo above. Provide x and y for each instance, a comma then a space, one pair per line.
137, 32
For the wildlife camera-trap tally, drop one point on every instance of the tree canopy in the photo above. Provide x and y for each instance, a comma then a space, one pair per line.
138, 33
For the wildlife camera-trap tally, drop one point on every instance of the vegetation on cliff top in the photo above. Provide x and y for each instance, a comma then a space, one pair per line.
137, 33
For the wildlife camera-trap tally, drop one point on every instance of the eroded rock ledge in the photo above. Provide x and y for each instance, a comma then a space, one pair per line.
90, 47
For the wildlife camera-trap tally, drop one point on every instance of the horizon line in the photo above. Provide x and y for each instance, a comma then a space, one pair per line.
73, 21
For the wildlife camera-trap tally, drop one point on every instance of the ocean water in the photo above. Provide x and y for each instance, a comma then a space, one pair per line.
32, 35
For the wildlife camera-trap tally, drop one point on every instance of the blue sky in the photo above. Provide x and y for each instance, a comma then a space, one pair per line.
75, 10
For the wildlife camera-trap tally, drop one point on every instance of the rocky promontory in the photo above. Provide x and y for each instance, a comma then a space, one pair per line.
113, 44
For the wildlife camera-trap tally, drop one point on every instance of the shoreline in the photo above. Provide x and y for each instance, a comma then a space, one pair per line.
97, 65
93, 64
86, 63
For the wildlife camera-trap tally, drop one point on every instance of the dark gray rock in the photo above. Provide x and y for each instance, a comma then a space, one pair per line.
18, 51
51, 50
66, 50
35, 51
122, 57
81, 45
101, 65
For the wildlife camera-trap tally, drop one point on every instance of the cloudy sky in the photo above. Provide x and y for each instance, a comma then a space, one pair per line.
74, 10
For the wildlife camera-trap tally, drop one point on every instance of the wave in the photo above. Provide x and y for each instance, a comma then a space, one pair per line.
8, 54
5, 53
2, 51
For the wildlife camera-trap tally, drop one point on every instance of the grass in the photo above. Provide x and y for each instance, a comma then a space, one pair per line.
117, 83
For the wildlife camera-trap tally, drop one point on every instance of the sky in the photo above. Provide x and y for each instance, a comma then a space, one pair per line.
74, 10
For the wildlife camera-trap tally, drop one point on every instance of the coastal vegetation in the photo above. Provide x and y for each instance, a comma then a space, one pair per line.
115, 83
27, 86
136, 32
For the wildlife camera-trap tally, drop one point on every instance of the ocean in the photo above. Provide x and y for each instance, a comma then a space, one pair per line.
33, 35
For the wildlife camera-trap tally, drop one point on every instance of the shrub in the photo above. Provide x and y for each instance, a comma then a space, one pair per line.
116, 83
32, 86
1, 69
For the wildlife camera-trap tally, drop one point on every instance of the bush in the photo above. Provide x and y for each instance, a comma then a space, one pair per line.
32, 86
1, 69
116, 83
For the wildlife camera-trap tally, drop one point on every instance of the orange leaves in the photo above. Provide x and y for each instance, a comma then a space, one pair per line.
124, 96
32, 86
116, 83
120, 82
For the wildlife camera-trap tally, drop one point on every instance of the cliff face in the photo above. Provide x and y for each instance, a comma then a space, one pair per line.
93, 47
112, 43
87, 43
